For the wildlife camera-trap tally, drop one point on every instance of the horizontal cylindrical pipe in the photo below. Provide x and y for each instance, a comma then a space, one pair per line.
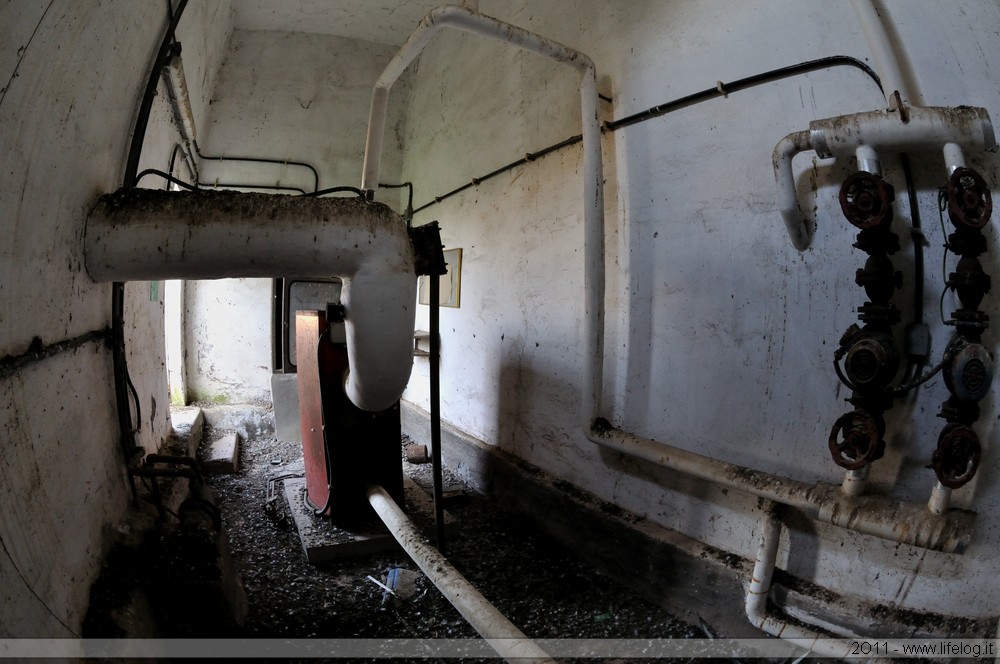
788, 204
145, 234
509, 642
907, 523
912, 129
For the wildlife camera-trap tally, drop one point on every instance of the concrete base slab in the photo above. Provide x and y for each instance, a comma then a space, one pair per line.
321, 540
222, 457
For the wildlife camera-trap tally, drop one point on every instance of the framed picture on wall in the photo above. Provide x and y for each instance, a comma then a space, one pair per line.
451, 283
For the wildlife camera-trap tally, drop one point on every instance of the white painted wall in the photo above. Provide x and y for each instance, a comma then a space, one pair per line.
71, 82
228, 340
720, 335
295, 96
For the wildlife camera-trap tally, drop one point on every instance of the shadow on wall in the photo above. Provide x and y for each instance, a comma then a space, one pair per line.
538, 412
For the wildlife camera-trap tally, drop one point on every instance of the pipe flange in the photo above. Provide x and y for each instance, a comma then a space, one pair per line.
872, 361
969, 201
855, 440
968, 373
866, 200
956, 459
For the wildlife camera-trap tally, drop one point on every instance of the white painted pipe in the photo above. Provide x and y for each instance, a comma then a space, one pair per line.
868, 160
855, 481
788, 204
908, 523
509, 641
812, 641
180, 100
922, 128
593, 181
460, 18
144, 234
954, 158
890, 72
861, 135
940, 499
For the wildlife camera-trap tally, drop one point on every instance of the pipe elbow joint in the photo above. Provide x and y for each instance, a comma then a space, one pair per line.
379, 306
797, 226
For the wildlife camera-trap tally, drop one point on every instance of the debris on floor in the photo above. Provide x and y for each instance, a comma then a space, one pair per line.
498, 551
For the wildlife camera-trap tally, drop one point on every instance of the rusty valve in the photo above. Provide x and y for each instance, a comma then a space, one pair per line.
969, 201
957, 456
866, 200
855, 440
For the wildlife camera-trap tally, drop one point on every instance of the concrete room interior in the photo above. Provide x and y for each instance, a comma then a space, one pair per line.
691, 384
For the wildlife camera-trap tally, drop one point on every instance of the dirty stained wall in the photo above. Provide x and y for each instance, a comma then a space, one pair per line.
72, 76
720, 335
289, 96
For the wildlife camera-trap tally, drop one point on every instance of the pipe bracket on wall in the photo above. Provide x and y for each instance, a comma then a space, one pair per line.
146, 234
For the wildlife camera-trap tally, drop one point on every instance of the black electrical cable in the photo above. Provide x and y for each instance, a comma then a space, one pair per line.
720, 90
724, 89
230, 185
261, 160
165, 176
192, 171
336, 190
917, 382
408, 212
170, 165
915, 365
129, 179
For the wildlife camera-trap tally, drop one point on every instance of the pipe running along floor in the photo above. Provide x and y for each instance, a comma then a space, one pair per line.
535, 581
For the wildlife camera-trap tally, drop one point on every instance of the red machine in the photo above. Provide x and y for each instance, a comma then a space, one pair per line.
345, 448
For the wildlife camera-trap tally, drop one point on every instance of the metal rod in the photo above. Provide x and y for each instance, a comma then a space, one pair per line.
11, 364
502, 635
435, 361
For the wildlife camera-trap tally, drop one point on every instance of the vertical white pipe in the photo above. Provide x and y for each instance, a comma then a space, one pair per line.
954, 158
886, 61
940, 499
813, 641
462, 18
855, 481
868, 160
763, 568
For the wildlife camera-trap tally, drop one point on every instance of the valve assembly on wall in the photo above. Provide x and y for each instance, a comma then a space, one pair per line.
868, 357
967, 366
869, 354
